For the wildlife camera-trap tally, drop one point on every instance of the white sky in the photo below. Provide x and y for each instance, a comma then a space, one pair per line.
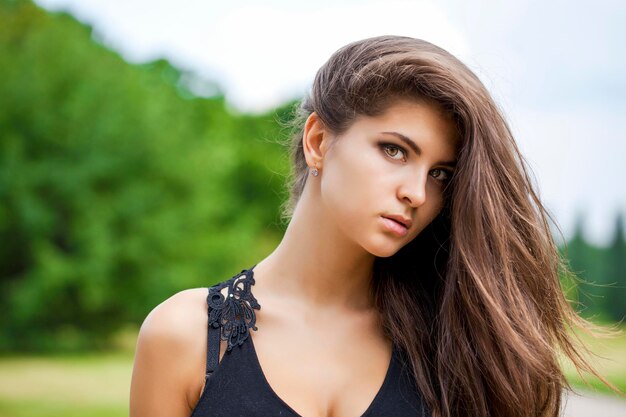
556, 68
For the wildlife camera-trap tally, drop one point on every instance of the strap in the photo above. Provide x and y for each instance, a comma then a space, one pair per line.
213, 341
229, 315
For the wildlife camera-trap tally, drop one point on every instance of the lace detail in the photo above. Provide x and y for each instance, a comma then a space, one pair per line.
234, 313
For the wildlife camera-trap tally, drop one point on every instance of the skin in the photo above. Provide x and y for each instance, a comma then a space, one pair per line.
317, 322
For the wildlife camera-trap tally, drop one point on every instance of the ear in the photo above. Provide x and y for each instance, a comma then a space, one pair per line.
315, 141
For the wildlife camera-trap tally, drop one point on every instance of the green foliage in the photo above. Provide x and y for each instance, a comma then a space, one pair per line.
615, 303
599, 292
117, 186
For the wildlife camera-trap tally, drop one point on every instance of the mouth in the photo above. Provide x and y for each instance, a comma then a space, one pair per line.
400, 219
395, 226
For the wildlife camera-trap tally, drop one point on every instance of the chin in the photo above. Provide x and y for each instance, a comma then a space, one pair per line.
384, 250
384, 255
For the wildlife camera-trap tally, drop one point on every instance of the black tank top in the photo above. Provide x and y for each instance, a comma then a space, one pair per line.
236, 385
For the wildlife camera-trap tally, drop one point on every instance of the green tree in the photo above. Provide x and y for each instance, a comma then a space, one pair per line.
588, 289
117, 186
615, 304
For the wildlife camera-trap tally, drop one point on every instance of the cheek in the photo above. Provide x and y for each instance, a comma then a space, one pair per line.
348, 195
352, 191
351, 178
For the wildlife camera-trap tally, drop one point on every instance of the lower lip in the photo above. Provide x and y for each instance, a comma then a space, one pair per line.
395, 227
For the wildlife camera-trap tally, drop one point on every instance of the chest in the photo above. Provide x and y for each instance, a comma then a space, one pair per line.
333, 371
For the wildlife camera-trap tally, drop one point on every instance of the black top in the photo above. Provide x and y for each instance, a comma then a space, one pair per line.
236, 385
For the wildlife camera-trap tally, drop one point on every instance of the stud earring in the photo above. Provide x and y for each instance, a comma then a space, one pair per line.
315, 172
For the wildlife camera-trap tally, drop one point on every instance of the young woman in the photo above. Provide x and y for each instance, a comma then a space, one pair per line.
417, 276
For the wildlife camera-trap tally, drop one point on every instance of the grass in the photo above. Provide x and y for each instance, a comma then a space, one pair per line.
93, 385
97, 385
609, 358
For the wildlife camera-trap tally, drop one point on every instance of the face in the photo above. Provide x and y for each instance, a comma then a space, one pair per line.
395, 165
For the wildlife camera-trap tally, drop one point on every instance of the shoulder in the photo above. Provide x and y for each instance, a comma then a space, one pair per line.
170, 356
177, 319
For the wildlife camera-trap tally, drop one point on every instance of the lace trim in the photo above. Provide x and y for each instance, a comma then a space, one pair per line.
234, 313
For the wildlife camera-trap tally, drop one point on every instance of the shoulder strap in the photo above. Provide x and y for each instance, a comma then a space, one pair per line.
234, 312
213, 341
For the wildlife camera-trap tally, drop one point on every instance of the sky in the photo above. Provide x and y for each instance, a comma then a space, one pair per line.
556, 69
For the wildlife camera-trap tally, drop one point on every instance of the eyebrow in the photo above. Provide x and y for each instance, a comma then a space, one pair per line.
417, 149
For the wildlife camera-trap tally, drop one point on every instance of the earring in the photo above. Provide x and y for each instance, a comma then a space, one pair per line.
315, 172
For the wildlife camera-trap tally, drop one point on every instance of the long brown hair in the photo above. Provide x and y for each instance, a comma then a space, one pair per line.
474, 300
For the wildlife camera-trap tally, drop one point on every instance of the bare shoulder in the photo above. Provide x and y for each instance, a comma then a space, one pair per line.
170, 357
178, 318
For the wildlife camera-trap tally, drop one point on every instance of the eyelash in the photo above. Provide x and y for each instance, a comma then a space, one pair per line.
387, 145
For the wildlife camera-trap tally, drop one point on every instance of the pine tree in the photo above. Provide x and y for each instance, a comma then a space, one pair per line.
615, 303
588, 292
573, 252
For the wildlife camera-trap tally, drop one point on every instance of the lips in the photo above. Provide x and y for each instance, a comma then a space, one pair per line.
394, 226
404, 221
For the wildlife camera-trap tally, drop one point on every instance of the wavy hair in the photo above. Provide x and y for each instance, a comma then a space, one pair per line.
475, 299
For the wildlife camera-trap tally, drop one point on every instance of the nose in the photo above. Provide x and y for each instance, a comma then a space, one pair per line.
413, 190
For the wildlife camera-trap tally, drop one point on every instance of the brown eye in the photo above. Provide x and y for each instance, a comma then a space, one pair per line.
392, 150
442, 175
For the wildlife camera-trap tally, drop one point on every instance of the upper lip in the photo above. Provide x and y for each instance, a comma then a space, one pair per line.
406, 221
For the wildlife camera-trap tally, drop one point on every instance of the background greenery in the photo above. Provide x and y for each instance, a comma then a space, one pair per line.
119, 187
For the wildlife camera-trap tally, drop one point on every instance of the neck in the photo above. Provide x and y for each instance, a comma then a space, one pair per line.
316, 264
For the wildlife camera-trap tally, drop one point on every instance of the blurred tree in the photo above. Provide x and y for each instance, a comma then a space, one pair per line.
575, 252
118, 187
587, 291
616, 273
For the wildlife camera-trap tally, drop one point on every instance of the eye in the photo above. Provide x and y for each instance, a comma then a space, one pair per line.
441, 175
392, 150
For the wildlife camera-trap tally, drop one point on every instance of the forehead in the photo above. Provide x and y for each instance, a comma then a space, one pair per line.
421, 121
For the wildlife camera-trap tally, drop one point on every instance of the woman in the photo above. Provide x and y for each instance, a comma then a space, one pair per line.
417, 275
